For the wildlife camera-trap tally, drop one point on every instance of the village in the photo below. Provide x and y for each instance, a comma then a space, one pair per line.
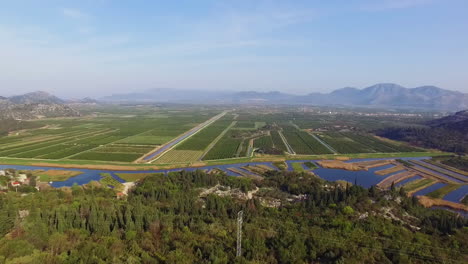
19, 181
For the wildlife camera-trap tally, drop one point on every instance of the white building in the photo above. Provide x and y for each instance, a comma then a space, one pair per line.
22, 178
2, 173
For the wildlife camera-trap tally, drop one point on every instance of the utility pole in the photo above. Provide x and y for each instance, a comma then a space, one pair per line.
239, 233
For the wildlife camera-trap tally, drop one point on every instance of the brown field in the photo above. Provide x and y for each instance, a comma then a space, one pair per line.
387, 182
389, 170
372, 164
429, 202
338, 164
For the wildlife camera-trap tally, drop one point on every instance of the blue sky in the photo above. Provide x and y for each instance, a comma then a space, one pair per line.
100, 47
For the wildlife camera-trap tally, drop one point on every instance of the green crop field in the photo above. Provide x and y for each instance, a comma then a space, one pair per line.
110, 135
302, 142
378, 145
277, 141
175, 156
226, 147
202, 139
344, 144
264, 142
118, 133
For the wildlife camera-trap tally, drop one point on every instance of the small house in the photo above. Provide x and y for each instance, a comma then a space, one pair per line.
22, 178
2, 173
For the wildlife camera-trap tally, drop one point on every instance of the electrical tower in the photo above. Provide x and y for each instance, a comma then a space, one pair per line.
239, 233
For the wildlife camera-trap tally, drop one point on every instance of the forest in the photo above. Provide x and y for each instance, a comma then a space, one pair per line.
438, 138
292, 218
9, 125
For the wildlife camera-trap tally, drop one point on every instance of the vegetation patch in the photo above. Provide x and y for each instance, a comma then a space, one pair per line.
56, 175
441, 192
109, 181
297, 166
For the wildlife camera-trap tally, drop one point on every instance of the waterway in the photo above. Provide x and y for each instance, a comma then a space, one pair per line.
363, 178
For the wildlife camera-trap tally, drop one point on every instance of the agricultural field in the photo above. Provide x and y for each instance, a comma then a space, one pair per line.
122, 135
303, 143
202, 139
176, 155
343, 144
226, 147
277, 141
264, 142
128, 133
379, 145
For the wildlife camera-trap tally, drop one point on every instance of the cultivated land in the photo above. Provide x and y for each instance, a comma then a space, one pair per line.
118, 136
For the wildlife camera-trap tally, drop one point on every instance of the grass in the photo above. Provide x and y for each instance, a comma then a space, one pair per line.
310, 165
175, 156
108, 180
57, 175
126, 157
297, 166
414, 185
440, 193
131, 177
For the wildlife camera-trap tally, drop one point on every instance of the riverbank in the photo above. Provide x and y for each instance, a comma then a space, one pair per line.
100, 165
430, 202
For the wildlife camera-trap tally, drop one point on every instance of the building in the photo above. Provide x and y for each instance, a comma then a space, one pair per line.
22, 178
2, 173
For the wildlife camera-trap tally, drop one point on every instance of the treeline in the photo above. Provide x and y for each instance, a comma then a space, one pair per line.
9, 125
437, 138
164, 220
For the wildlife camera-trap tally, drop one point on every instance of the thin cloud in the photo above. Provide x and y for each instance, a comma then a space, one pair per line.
393, 4
74, 13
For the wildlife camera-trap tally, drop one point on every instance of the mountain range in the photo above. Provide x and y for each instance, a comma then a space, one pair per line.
34, 105
384, 95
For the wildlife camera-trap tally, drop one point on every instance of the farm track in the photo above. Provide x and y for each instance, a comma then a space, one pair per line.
58, 141
452, 174
323, 143
434, 174
213, 143
286, 143
91, 150
161, 150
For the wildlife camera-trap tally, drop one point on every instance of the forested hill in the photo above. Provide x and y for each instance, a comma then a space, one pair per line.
449, 133
34, 105
190, 217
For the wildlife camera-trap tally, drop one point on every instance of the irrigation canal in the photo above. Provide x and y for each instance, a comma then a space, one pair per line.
362, 178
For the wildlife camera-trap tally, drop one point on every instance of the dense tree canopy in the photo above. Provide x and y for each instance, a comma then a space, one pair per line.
166, 220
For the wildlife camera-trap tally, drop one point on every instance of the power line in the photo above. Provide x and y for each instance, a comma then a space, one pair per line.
239, 233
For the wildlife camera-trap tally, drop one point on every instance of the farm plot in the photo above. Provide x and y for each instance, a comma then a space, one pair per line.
378, 145
344, 144
227, 147
202, 139
278, 141
175, 156
303, 143
66, 151
102, 156
89, 138
264, 142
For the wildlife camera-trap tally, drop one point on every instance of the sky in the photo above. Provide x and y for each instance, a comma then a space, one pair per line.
101, 47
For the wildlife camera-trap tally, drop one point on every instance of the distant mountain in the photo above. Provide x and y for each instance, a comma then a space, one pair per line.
86, 100
34, 105
36, 98
379, 95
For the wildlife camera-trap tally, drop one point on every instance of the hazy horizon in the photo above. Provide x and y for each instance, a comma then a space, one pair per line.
98, 48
